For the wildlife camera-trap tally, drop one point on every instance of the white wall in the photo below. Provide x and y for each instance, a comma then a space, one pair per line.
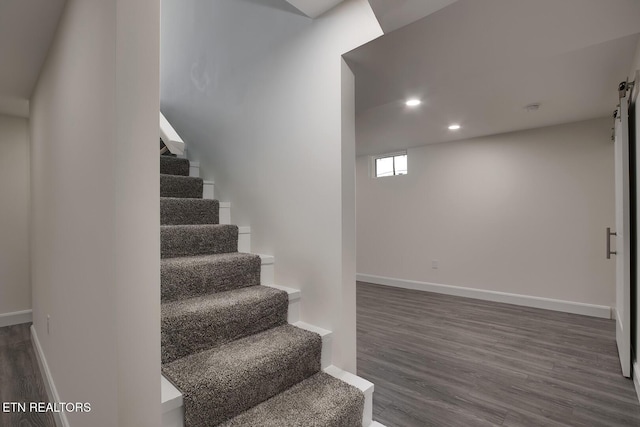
137, 212
15, 288
521, 213
95, 263
256, 93
347, 301
635, 340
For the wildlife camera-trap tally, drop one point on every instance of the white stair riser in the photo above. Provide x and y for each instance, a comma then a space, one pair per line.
327, 351
266, 274
225, 213
294, 310
173, 418
293, 315
194, 169
244, 240
208, 190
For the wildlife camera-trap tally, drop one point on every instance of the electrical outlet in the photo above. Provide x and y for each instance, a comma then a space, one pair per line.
48, 319
435, 264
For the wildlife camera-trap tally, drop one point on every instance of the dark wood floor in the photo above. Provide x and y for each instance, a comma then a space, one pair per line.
439, 360
20, 379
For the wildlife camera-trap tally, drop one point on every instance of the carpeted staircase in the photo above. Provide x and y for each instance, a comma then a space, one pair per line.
226, 344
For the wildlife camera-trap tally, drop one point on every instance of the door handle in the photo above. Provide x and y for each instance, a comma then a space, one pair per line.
609, 251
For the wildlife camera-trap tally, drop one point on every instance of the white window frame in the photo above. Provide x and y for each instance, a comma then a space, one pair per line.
372, 163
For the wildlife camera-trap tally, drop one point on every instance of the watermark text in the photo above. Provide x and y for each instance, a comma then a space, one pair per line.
57, 407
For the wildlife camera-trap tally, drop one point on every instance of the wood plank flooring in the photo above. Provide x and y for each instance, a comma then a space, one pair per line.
20, 379
439, 360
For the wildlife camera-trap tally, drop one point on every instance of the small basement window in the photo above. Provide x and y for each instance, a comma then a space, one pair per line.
390, 164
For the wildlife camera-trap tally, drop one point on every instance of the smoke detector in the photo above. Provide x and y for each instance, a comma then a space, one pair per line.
532, 107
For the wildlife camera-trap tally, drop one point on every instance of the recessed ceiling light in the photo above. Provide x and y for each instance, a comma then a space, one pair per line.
454, 127
413, 102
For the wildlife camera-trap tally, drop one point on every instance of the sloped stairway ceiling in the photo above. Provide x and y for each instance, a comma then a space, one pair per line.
391, 14
314, 8
26, 31
394, 14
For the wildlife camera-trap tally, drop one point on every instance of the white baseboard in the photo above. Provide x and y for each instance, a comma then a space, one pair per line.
592, 310
636, 379
59, 417
15, 318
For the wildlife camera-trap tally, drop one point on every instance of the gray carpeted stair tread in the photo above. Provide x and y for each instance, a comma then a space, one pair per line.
187, 277
192, 325
319, 401
189, 240
181, 186
220, 383
170, 165
187, 211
